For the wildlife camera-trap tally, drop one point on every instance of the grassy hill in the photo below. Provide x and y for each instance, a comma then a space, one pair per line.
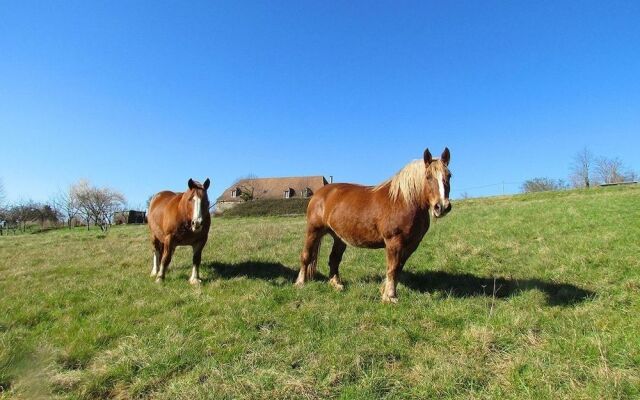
532, 296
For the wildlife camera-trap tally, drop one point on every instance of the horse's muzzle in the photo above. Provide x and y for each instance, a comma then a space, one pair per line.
440, 210
196, 226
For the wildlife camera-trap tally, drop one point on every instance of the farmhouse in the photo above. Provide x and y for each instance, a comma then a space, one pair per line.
619, 183
270, 188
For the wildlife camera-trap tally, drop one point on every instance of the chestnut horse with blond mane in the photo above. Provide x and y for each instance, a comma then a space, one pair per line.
393, 215
179, 219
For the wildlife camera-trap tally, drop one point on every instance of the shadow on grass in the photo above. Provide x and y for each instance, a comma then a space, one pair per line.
467, 285
255, 270
456, 285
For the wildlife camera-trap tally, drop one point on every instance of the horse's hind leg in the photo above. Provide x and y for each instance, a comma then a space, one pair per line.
334, 261
157, 257
309, 256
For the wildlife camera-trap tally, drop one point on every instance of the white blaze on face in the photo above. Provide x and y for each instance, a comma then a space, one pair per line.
440, 185
197, 211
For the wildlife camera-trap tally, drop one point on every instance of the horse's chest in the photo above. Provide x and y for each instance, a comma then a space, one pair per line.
411, 228
185, 236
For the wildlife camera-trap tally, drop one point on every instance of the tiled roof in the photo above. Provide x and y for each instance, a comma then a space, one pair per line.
274, 188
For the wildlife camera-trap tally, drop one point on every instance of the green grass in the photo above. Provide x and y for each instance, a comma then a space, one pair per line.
525, 297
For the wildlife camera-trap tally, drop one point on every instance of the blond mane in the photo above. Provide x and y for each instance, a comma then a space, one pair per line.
409, 183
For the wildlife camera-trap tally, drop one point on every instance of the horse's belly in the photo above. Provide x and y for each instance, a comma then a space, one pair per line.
368, 244
352, 215
358, 235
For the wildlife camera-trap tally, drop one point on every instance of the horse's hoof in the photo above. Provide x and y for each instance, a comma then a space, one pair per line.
389, 300
194, 281
153, 274
159, 280
299, 283
336, 285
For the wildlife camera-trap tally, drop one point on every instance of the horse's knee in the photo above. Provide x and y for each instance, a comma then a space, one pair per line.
305, 257
197, 258
335, 258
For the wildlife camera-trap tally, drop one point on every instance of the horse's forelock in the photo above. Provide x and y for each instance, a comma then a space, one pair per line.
198, 185
437, 166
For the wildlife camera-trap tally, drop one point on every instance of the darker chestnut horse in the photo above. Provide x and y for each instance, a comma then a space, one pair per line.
393, 215
179, 219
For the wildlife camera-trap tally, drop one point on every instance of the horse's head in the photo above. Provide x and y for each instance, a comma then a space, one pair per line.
438, 177
197, 203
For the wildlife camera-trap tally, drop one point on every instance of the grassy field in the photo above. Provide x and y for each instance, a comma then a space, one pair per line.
525, 297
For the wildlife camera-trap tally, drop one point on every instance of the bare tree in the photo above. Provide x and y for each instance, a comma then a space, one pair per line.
612, 170
3, 211
3, 195
67, 205
104, 203
581, 169
98, 205
23, 212
246, 185
149, 202
543, 185
79, 191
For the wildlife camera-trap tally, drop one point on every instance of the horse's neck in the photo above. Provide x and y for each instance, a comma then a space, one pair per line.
182, 205
419, 205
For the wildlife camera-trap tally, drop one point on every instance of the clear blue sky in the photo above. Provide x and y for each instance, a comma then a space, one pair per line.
140, 96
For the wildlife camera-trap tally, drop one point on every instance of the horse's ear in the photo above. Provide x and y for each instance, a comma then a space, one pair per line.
192, 184
427, 157
446, 156
206, 184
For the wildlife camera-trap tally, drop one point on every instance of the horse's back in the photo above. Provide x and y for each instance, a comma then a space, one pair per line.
327, 197
346, 195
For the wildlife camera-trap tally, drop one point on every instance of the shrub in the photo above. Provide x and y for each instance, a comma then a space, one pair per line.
266, 207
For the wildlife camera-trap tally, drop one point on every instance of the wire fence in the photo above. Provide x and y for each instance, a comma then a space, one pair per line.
492, 189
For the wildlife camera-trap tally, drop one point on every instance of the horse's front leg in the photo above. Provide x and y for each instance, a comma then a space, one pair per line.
394, 266
154, 268
157, 257
197, 258
167, 253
